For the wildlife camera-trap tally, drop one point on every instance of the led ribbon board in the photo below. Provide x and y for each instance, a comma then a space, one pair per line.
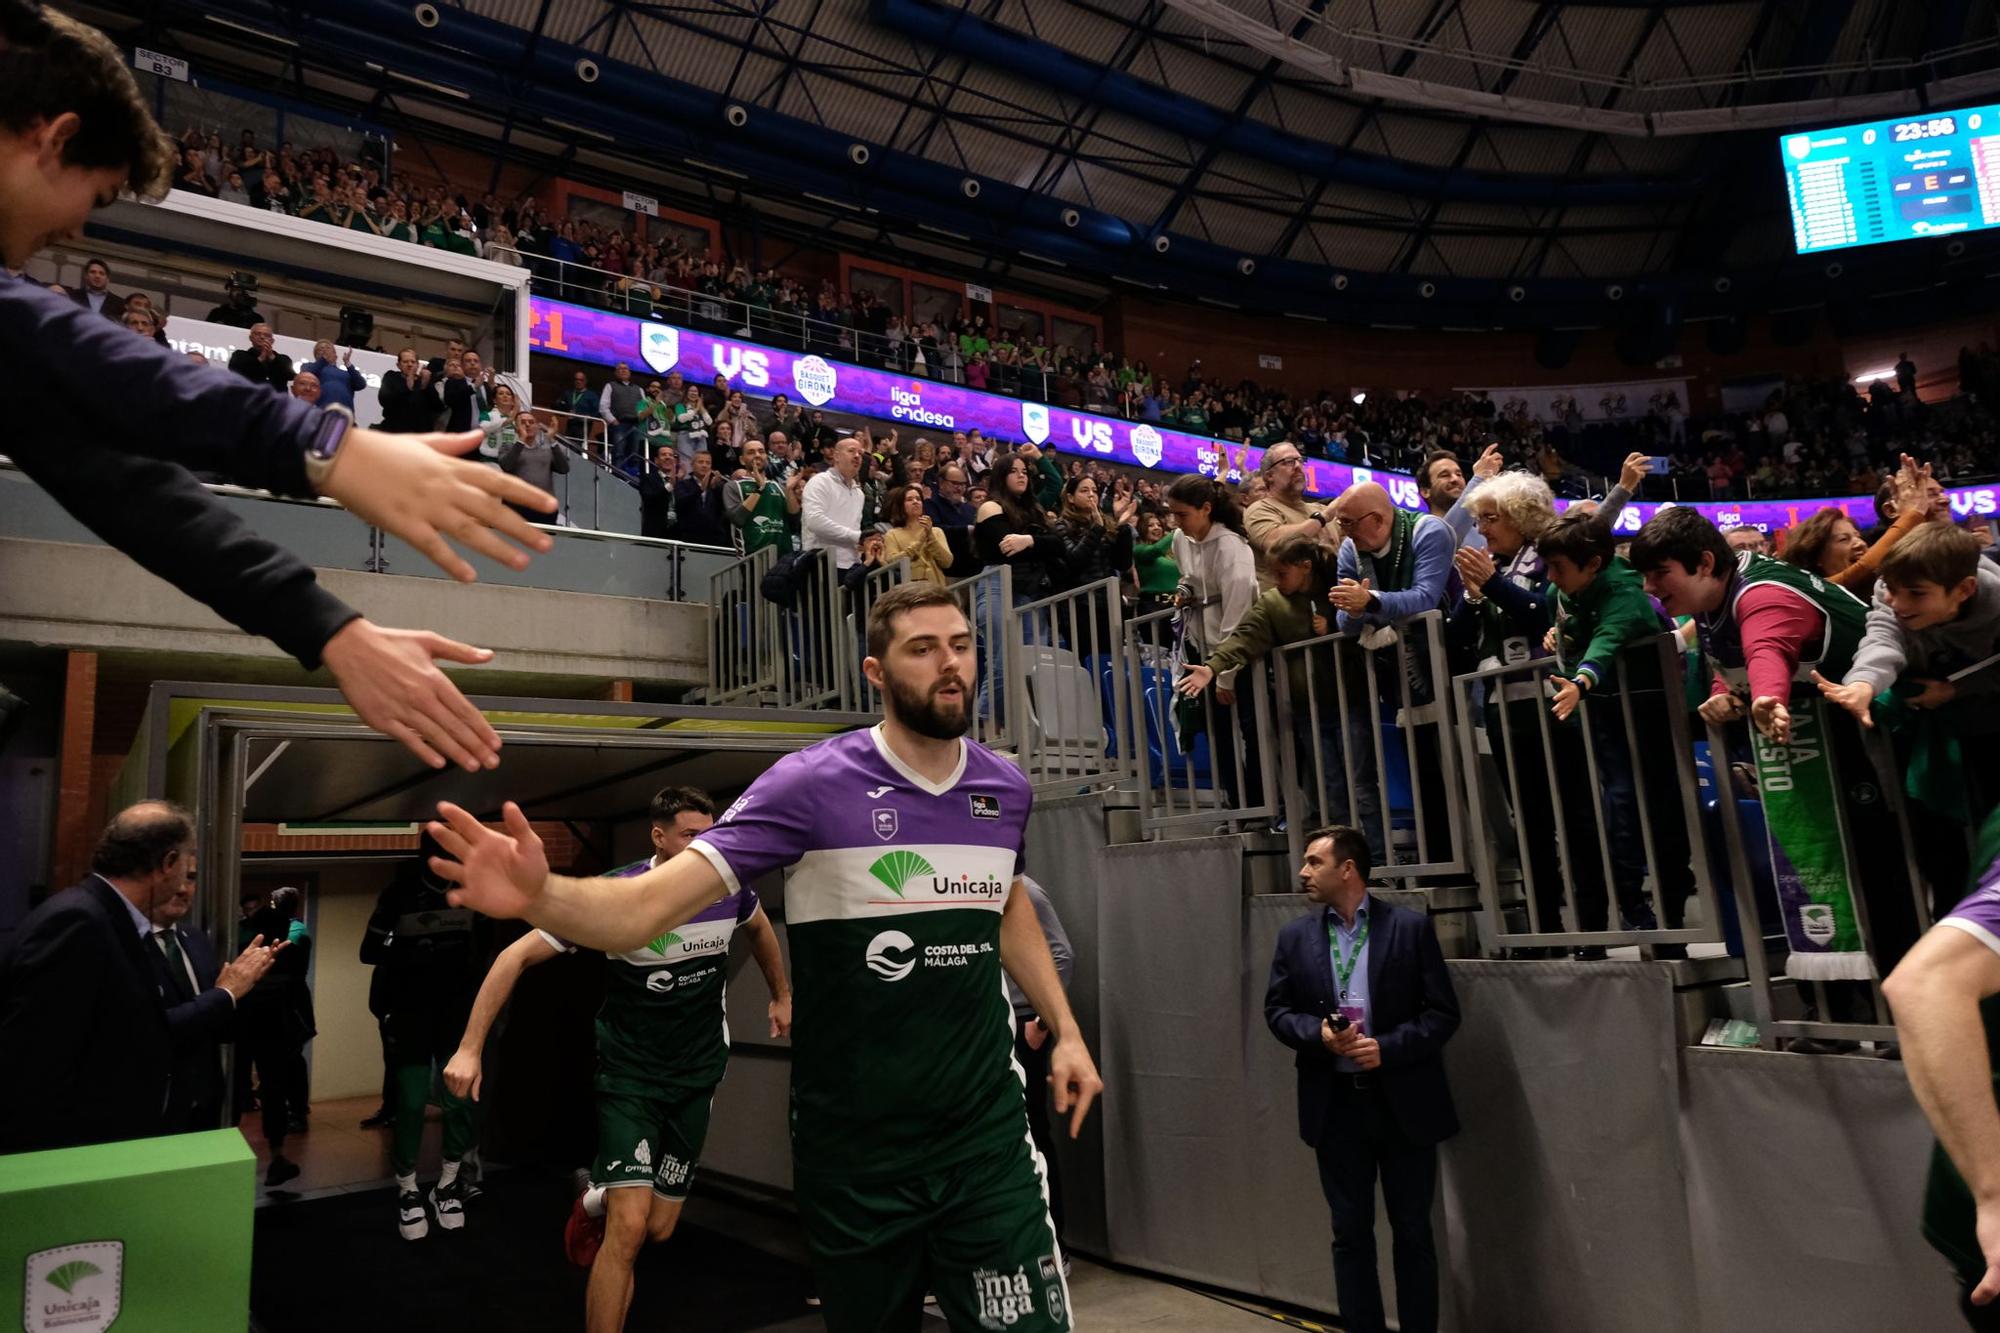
928, 407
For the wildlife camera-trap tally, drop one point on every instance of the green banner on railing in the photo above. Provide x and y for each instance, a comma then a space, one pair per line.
149, 1235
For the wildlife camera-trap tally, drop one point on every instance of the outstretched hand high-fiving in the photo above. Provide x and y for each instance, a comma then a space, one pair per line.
500, 874
1855, 696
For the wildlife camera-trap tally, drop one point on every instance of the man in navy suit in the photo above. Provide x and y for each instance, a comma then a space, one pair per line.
1359, 990
83, 1030
201, 999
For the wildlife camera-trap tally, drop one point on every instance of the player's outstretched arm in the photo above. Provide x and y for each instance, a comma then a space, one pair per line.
506, 874
1024, 952
465, 1070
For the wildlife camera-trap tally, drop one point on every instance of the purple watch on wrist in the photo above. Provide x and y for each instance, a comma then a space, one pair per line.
324, 451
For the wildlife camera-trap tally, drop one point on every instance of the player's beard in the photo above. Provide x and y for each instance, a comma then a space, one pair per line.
920, 711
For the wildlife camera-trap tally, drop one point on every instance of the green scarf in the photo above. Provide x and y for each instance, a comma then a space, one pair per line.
1393, 569
1808, 860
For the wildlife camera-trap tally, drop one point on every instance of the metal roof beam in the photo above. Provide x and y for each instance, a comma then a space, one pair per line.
1545, 18
1213, 148
1434, 20
1718, 213
1059, 159
1581, 158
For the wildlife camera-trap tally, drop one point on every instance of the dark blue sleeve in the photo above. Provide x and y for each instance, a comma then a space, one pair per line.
1294, 1026
172, 526
1423, 1037
200, 417
1527, 609
206, 1018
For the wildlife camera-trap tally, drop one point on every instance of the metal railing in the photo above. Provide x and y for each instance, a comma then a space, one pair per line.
1074, 717
584, 284
999, 696
805, 655
1201, 764
1765, 931
861, 694
1405, 795
1603, 806
743, 638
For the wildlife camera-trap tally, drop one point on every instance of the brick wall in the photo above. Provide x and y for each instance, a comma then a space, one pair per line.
565, 852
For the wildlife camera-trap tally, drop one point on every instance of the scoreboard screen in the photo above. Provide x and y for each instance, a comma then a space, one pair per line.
1894, 180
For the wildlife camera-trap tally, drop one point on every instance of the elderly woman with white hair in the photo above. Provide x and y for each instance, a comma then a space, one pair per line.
1506, 612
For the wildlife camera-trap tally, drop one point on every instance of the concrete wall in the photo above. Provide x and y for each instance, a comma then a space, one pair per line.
86, 596
347, 1054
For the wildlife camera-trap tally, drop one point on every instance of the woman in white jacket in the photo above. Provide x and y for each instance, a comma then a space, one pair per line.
1218, 583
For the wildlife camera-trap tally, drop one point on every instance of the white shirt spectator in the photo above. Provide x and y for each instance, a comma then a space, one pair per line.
830, 517
1220, 572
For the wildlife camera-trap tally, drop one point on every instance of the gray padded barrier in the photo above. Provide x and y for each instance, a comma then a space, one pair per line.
1805, 1178
1065, 836
1205, 1176
1563, 1196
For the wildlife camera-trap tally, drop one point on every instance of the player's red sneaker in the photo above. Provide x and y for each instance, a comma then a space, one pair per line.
582, 1234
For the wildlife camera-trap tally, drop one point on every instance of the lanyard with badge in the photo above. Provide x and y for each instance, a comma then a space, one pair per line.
1343, 966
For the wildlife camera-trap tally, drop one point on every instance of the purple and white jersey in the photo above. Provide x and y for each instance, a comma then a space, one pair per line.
1978, 914
902, 1035
664, 1024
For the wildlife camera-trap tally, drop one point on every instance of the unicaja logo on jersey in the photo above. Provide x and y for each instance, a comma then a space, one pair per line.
664, 942
892, 955
897, 869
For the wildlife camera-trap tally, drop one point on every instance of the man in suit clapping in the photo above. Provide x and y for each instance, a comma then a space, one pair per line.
83, 1019
201, 999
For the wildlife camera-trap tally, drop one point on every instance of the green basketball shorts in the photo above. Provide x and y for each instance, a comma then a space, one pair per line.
977, 1235
651, 1140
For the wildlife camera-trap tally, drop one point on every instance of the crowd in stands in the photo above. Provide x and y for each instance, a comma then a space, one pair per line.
1808, 438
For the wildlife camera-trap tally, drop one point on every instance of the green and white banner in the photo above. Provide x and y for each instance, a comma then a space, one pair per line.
1803, 819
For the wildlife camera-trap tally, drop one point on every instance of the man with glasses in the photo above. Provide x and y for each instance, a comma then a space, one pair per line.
1281, 513
1395, 565
953, 514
